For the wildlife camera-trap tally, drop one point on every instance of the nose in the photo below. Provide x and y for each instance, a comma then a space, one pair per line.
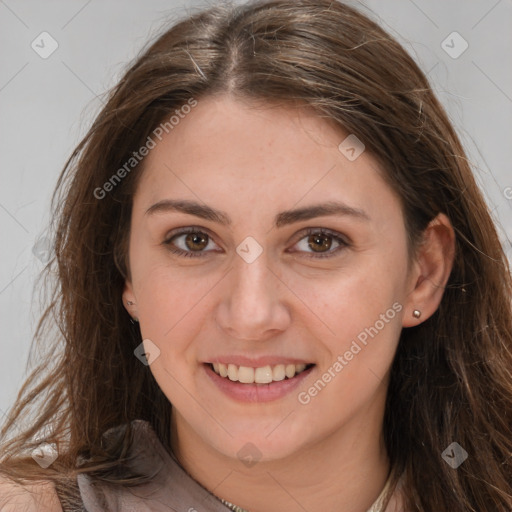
253, 303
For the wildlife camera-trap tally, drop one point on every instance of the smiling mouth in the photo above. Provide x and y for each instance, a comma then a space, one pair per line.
261, 375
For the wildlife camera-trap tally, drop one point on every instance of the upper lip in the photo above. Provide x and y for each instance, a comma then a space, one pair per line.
257, 362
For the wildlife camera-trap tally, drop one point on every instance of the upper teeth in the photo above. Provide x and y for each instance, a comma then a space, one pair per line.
262, 375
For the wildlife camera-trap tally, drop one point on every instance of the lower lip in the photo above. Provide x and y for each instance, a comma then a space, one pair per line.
256, 392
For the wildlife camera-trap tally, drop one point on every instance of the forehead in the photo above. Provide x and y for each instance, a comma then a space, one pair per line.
254, 156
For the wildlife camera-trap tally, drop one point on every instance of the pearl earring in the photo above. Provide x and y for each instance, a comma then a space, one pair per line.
416, 313
129, 303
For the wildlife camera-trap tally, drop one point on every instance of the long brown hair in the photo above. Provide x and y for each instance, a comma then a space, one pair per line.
451, 379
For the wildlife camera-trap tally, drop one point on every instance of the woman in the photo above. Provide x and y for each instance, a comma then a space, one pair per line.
273, 227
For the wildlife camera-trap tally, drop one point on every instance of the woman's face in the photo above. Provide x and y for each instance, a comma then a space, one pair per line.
249, 268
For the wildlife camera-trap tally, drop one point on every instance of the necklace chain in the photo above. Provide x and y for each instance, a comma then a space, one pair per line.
236, 508
233, 507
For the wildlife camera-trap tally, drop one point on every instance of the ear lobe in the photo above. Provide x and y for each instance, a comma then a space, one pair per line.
434, 263
129, 301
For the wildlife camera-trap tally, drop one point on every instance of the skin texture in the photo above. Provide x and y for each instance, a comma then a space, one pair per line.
39, 497
253, 162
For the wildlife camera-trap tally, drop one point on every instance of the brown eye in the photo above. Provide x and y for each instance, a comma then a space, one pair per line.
196, 241
320, 242
189, 242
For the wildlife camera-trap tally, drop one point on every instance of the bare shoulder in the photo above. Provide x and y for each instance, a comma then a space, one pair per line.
39, 497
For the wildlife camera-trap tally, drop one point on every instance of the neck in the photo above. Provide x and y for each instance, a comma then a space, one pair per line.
345, 471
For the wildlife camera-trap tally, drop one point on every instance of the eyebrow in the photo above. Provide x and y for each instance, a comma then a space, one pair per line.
281, 219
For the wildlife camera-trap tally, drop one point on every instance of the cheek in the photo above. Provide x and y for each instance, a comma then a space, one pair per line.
353, 296
360, 314
172, 309
174, 304
164, 292
355, 364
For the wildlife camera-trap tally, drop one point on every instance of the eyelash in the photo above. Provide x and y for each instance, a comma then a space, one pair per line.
309, 231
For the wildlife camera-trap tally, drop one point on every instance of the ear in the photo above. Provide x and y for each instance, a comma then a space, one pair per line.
431, 270
129, 300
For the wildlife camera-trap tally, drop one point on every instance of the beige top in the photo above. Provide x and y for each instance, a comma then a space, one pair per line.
170, 489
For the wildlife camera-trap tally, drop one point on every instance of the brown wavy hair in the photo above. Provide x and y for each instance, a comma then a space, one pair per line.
451, 379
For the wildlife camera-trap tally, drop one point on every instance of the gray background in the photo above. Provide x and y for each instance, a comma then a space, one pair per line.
47, 104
